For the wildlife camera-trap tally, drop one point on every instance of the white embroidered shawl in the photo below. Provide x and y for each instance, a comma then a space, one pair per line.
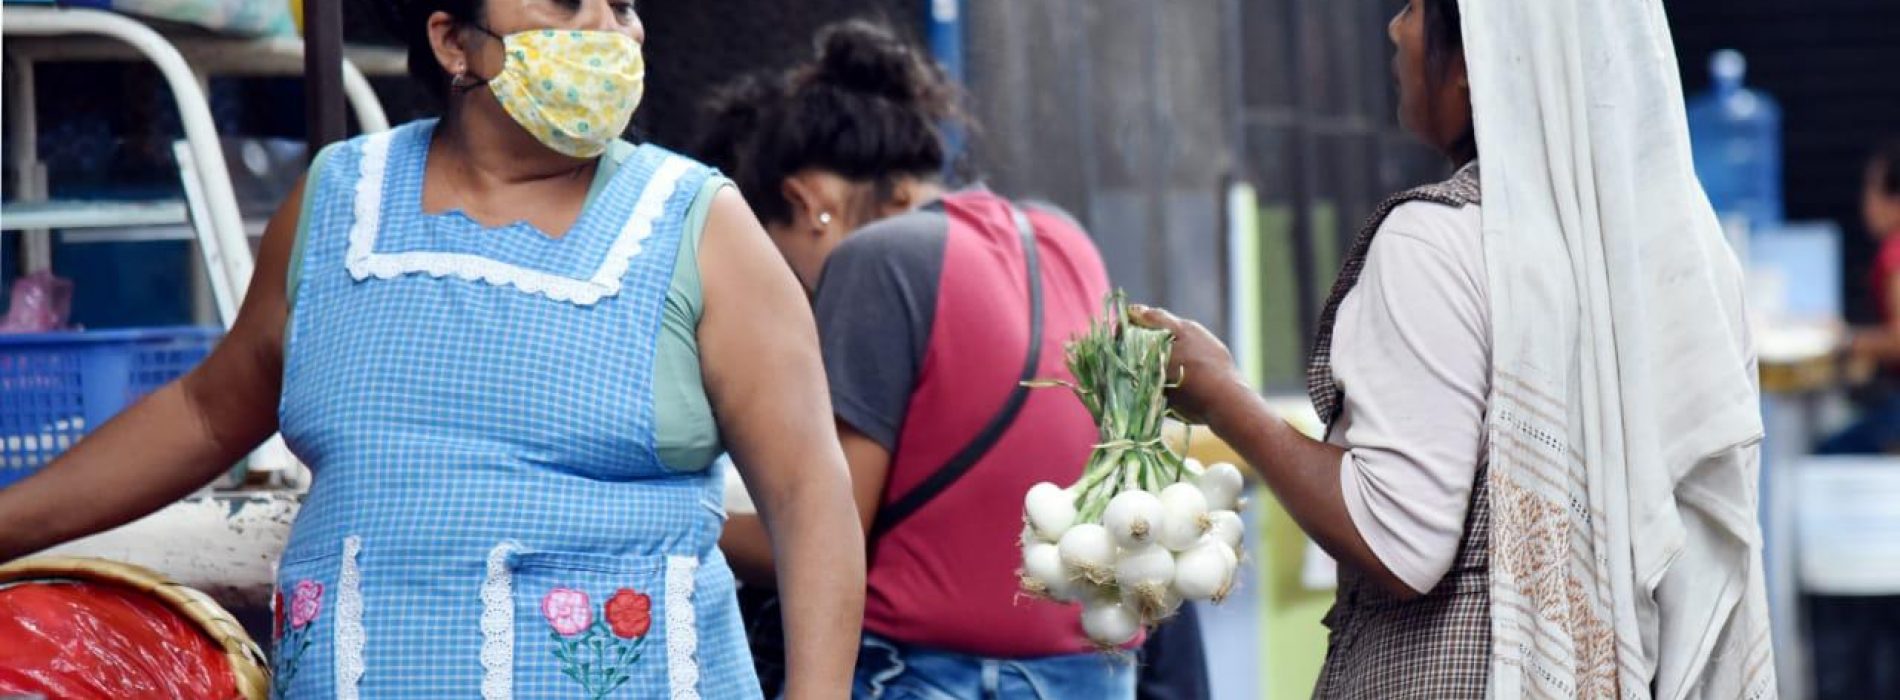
1624, 422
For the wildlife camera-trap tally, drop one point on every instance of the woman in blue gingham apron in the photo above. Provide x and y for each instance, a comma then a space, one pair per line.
510, 346
458, 451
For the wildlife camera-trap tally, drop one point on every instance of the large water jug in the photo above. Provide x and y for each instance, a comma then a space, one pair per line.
1736, 136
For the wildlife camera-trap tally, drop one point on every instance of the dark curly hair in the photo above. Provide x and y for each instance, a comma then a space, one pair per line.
868, 106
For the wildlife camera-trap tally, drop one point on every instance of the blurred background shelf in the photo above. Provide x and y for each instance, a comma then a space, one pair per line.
84, 214
94, 221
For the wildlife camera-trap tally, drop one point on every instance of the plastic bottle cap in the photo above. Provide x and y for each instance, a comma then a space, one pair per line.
1728, 67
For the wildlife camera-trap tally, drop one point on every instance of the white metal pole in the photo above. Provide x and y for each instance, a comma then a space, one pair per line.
29, 178
369, 110
210, 252
193, 111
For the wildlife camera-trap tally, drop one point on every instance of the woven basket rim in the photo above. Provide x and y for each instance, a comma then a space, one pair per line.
247, 661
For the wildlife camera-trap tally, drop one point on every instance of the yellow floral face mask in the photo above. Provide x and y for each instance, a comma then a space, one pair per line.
574, 90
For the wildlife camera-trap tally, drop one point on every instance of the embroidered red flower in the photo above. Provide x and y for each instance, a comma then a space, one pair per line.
277, 615
596, 645
629, 613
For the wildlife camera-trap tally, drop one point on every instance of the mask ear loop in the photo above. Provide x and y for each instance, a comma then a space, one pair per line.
462, 81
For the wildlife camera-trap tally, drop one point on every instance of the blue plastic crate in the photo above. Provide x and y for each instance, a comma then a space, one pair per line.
55, 387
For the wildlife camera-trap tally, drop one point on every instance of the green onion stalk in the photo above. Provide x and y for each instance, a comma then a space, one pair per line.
1121, 377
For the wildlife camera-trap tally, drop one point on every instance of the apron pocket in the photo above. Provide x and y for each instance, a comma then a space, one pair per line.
594, 626
317, 625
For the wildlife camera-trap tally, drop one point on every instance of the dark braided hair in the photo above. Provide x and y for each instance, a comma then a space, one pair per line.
869, 107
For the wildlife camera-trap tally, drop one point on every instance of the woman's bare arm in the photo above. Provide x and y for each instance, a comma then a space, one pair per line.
177, 439
1302, 472
759, 350
749, 549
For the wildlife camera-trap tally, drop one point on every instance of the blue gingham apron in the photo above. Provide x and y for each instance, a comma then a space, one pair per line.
489, 517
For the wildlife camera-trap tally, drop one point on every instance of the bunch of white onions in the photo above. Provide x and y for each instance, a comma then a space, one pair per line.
1145, 556
1144, 529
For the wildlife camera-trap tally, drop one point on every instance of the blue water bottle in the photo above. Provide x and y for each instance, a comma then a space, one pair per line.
1735, 133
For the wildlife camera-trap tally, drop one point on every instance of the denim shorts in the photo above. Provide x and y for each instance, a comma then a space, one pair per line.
888, 670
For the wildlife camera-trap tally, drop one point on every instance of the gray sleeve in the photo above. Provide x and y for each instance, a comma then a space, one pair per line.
875, 305
1412, 346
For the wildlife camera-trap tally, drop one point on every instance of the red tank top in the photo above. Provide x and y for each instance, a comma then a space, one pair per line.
1880, 279
946, 578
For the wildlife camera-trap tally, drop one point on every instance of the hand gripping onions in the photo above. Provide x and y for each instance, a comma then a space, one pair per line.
1145, 528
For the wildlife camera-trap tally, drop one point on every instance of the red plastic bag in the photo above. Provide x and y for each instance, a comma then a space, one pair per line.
84, 641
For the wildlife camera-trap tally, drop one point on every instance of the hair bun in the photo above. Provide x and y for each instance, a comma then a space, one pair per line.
733, 114
862, 57
744, 101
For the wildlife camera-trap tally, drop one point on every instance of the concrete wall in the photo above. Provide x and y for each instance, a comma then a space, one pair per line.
1122, 112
